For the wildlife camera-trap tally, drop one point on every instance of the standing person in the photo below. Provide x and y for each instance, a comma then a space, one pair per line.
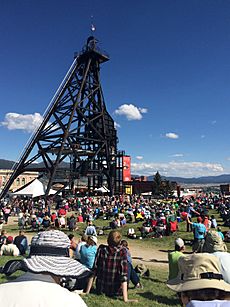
3, 237
174, 256
199, 235
47, 263
6, 212
190, 211
21, 242
88, 252
111, 268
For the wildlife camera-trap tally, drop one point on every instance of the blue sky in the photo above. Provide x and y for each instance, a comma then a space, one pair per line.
166, 84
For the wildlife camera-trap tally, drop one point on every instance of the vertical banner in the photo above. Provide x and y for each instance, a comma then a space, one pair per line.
126, 168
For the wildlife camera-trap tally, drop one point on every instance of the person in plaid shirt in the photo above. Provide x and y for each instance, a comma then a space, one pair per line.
111, 268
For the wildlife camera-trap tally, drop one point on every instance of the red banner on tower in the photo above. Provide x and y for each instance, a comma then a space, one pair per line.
126, 168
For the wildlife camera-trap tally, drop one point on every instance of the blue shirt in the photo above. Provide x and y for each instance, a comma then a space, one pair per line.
200, 230
88, 254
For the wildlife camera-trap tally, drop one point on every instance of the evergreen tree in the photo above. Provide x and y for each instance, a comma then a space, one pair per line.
157, 184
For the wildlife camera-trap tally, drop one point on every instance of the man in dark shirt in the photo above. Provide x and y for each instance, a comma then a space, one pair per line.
21, 242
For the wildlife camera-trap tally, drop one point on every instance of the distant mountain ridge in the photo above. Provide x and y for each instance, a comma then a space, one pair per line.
225, 178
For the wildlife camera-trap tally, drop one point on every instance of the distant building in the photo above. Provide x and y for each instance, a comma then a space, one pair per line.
19, 182
225, 189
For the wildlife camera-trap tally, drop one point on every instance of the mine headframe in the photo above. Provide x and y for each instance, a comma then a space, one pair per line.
77, 137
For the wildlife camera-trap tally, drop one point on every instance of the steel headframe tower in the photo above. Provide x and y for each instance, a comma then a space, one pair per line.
77, 137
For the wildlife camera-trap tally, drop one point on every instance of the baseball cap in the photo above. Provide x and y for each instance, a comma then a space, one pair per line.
179, 242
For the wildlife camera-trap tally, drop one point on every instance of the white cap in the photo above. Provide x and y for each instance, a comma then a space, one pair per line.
179, 242
93, 238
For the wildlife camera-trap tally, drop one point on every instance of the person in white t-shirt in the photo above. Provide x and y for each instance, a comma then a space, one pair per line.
9, 249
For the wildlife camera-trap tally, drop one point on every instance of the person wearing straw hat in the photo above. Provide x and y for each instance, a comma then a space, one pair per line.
200, 282
47, 264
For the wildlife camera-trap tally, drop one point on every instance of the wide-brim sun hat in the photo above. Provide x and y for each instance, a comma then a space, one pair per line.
198, 271
49, 253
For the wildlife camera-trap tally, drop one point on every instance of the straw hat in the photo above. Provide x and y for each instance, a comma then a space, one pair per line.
198, 271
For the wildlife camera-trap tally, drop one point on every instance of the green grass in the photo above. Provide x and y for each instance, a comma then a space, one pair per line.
155, 292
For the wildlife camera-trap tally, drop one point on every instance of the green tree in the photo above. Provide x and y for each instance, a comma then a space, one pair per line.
167, 188
157, 184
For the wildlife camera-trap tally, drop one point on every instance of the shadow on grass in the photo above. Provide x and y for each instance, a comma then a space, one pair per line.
170, 301
158, 261
154, 280
137, 258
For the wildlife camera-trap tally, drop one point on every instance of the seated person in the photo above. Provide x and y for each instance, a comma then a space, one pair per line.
21, 242
81, 242
90, 229
111, 268
132, 274
131, 233
73, 246
46, 267
88, 252
9, 249
174, 256
200, 282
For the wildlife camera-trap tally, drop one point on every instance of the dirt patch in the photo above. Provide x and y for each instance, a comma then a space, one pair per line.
150, 256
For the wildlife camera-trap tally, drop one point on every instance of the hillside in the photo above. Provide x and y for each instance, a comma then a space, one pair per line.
225, 178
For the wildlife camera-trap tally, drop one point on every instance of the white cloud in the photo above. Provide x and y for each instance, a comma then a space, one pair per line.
131, 112
26, 122
213, 122
171, 135
139, 157
179, 169
202, 136
143, 110
178, 155
116, 125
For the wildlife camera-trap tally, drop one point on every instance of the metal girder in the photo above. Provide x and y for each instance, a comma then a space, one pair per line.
77, 134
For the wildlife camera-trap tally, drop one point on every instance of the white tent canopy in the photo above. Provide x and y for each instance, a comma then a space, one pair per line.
102, 189
34, 189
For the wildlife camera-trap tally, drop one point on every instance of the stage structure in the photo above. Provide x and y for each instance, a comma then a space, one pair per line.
77, 138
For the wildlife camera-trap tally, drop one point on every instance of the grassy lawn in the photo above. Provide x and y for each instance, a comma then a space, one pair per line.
155, 292
165, 243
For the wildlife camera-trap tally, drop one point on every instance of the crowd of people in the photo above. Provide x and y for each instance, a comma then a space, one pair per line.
110, 265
